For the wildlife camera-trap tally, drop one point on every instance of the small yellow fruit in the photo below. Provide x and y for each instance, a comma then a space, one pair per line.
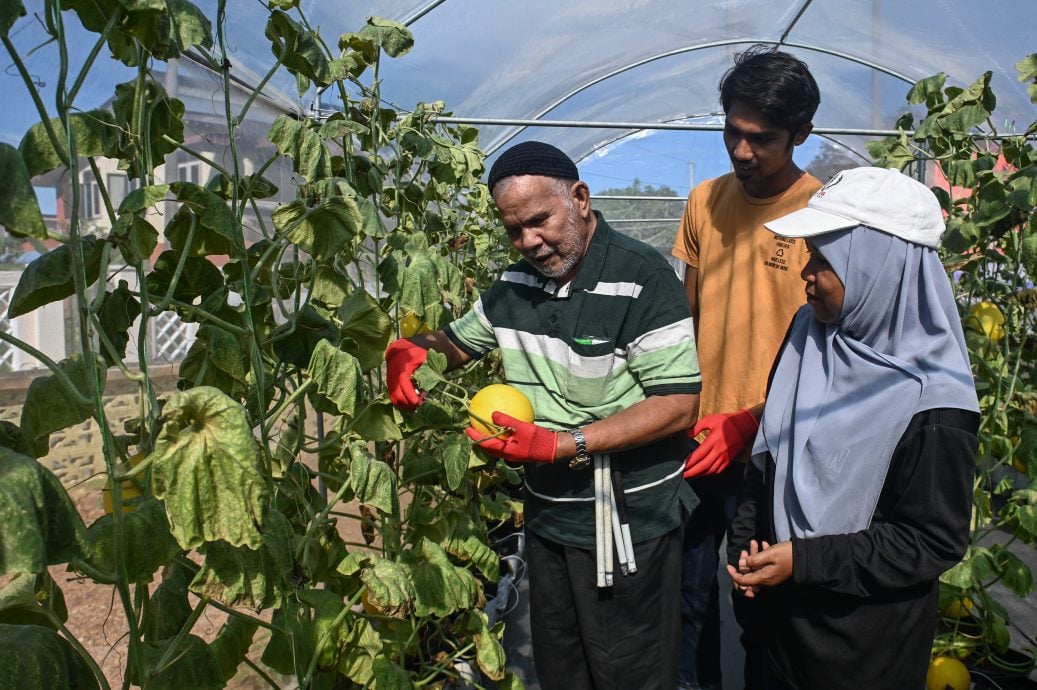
498, 397
947, 673
959, 608
130, 489
990, 319
411, 324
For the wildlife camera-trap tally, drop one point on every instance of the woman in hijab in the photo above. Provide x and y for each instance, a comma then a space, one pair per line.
859, 491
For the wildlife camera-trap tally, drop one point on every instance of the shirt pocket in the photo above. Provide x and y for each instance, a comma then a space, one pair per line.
592, 361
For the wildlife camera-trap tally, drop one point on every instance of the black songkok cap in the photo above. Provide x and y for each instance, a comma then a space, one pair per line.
532, 158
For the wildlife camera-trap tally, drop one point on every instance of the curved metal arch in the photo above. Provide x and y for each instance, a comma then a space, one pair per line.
692, 48
421, 12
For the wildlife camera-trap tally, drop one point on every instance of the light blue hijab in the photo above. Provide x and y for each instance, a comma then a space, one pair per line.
843, 394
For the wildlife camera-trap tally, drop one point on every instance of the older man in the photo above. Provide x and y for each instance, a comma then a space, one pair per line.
594, 329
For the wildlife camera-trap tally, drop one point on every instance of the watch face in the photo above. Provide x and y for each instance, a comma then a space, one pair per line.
579, 462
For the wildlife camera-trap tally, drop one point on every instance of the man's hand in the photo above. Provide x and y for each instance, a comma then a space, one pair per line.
767, 566
728, 434
402, 359
526, 442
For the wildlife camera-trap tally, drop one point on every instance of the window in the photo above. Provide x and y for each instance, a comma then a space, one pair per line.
90, 198
189, 172
119, 185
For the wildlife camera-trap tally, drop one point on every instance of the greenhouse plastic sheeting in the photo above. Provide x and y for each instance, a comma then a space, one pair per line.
643, 61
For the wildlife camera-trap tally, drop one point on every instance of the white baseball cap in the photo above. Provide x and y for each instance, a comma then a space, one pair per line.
882, 199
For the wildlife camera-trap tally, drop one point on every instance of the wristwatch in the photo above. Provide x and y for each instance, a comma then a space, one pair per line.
582, 458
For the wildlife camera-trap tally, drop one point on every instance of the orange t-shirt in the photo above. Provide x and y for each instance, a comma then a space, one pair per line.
749, 285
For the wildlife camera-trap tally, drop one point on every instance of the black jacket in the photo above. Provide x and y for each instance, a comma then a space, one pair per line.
860, 609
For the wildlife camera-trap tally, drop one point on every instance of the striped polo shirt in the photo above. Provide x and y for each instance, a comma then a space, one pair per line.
618, 332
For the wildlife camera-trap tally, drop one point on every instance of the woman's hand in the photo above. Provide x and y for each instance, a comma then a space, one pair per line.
762, 566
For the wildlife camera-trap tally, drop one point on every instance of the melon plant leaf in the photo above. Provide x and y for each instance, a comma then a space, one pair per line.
216, 230
373, 482
389, 675
49, 405
232, 643
93, 133
135, 237
40, 523
489, 654
118, 311
394, 38
360, 647
295, 341
323, 230
455, 460
297, 49
330, 287
199, 277
303, 623
293, 138
216, 359
441, 587
41, 658
389, 587
247, 187
366, 329
205, 467
338, 378
164, 117
147, 542
28, 599
49, 278
463, 539
143, 198
167, 28
377, 421
192, 664
421, 290
170, 607
240, 576
19, 207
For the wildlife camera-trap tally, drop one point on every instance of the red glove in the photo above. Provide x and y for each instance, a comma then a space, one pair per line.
402, 359
728, 434
527, 442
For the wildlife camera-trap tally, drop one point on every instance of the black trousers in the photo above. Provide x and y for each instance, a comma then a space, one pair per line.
618, 638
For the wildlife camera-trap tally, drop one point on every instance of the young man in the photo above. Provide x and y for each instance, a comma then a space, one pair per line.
742, 284
593, 328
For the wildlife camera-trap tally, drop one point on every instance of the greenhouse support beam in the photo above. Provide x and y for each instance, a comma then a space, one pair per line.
607, 124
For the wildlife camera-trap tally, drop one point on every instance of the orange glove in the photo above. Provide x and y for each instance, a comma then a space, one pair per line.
526, 443
402, 359
728, 434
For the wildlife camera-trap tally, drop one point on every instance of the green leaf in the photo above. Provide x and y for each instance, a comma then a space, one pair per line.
49, 405
10, 11
389, 675
32, 600
464, 539
366, 329
216, 359
394, 38
199, 277
49, 278
246, 187
1014, 572
489, 654
338, 378
377, 421
167, 28
206, 469
928, 90
295, 341
389, 587
163, 117
19, 208
232, 644
93, 133
1028, 248
293, 138
421, 286
216, 229
169, 608
135, 237
147, 542
191, 664
360, 647
39, 657
330, 287
322, 231
40, 523
441, 587
239, 576
303, 627
118, 311
455, 461
298, 49
373, 482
